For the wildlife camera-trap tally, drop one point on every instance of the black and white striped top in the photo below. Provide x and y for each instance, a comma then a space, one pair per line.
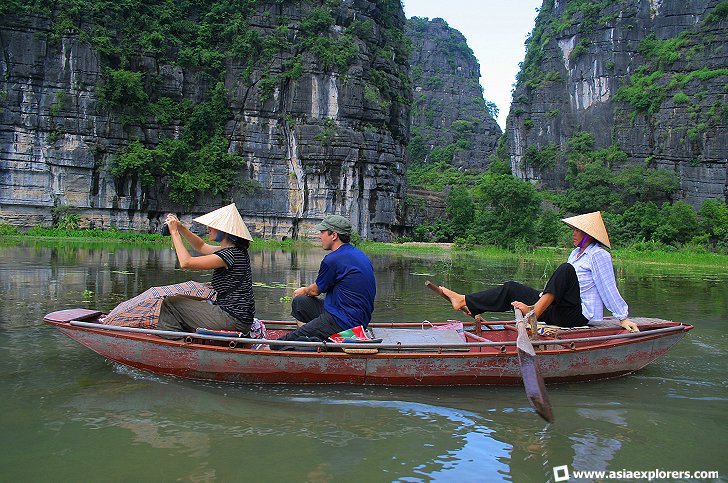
234, 284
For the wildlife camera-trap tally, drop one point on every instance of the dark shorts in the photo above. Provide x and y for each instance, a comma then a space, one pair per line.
318, 324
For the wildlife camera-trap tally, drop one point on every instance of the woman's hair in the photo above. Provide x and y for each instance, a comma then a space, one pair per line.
241, 243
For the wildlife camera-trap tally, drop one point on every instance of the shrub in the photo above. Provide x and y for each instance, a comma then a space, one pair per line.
460, 210
663, 52
137, 161
122, 89
680, 98
8, 229
507, 209
714, 222
591, 189
719, 13
542, 159
644, 93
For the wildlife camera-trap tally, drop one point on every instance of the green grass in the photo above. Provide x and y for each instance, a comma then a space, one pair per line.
677, 259
104, 235
10, 236
621, 256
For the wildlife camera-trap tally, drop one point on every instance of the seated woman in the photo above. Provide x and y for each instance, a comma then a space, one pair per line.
576, 291
231, 277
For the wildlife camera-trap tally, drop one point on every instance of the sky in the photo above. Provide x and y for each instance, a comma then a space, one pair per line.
496, 30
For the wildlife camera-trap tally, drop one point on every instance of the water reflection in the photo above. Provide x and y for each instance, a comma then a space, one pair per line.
420, 440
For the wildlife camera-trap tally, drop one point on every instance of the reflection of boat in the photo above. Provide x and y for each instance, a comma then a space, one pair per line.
569, 355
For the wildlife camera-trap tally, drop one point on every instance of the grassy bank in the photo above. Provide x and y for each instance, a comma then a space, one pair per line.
622, 256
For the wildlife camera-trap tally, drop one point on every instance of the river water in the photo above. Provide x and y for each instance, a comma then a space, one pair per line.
70, 415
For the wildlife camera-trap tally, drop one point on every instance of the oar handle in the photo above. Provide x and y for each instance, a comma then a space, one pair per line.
435, 289
439, 291
465, 310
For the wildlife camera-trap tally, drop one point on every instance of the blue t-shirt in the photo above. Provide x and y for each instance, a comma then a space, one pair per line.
346, 277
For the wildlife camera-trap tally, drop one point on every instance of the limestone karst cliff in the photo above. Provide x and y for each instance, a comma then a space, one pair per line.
451, 122
450, 118
646, 77
123, 111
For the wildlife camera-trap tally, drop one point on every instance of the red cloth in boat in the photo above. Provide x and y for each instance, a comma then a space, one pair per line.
143, 310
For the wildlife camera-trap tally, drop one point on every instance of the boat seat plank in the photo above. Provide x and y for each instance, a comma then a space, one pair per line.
612, 322
72, 314
413, 337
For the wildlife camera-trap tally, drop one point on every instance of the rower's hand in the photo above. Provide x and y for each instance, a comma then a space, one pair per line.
629, 325
521, 306
172, 222
300, 291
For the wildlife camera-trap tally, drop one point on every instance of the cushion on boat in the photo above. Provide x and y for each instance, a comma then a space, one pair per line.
356, 334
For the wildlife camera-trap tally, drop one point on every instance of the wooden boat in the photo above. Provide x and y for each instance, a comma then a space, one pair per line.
599, 352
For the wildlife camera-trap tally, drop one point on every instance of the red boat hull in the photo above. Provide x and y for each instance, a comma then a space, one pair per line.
201, 359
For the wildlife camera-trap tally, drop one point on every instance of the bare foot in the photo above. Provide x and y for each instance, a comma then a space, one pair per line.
457, 300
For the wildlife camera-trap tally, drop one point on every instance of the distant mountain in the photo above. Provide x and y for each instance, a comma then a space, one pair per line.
450, 118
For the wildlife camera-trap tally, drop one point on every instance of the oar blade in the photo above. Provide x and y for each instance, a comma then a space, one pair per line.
532, 380
534, 385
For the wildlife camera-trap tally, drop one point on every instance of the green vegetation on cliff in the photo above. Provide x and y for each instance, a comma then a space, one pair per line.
199, 160
499, 209
655, 80
261, 45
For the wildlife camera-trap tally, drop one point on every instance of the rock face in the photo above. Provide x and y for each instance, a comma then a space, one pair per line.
647, 76
315, 134
448, 106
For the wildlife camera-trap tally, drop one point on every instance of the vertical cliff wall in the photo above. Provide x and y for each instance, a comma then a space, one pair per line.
449, 114
647, 76
125, 111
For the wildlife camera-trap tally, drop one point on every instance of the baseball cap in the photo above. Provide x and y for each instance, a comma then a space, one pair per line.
336, 223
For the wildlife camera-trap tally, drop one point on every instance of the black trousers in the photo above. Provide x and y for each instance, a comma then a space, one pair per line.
565, 311
317, 323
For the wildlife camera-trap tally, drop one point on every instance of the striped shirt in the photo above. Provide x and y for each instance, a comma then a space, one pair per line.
234, 284
597, 284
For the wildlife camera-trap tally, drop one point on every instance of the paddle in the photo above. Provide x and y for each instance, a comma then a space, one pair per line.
532, 380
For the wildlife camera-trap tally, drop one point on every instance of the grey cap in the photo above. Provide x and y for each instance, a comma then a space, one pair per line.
336, 223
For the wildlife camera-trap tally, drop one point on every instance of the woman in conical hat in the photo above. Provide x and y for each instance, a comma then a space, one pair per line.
576, 292
231, 277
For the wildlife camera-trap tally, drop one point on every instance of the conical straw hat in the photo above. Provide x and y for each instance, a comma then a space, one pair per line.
226, 219
591, 224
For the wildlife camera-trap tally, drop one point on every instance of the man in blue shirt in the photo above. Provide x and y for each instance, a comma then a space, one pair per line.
346, 276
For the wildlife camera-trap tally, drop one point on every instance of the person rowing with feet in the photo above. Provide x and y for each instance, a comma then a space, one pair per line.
577, 291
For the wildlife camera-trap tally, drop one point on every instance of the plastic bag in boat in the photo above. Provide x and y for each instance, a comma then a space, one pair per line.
452, 325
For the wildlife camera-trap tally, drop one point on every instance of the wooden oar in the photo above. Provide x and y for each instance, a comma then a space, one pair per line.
465, 310
532, 380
